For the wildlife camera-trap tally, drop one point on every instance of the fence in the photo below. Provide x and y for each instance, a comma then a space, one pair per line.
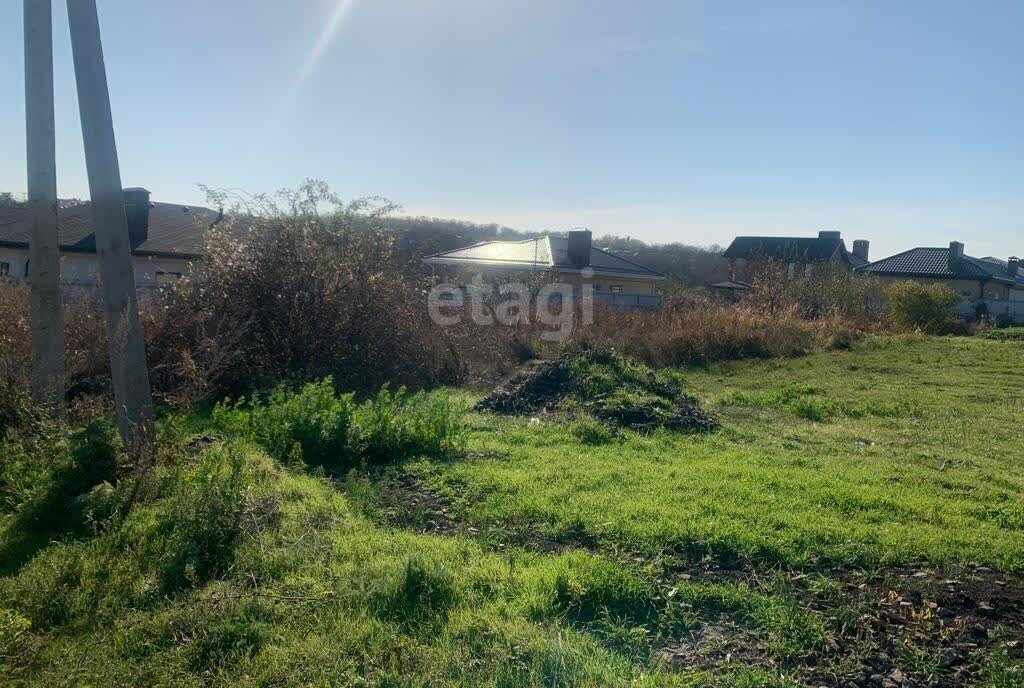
1014, 310
627, 300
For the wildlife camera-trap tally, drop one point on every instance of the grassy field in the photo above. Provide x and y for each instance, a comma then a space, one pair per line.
900, 451
857, 521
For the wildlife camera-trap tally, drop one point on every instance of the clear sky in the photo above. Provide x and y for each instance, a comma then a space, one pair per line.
667, 120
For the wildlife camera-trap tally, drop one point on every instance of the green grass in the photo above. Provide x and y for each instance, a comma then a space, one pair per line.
238, 571
240, 567
901, 450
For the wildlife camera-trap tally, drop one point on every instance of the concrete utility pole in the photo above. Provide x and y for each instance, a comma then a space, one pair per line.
124, 332
44, 249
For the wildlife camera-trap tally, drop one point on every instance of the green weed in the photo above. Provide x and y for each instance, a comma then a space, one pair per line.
316, 426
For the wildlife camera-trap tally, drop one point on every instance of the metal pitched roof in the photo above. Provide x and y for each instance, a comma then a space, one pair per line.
542, 253
174, 230
531, 253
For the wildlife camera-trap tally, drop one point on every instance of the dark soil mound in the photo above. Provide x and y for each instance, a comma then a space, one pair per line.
537, 387
602, 383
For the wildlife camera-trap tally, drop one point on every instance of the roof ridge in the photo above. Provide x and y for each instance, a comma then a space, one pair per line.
807, 238
625, 260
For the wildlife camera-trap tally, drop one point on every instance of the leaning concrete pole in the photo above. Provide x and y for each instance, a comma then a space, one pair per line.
124, 332
44, 250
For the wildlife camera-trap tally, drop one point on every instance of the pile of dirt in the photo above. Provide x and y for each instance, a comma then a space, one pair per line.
602, 383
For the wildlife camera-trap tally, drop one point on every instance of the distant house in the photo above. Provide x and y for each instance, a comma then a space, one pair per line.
573, 258
165, 240
988, 285
800, 255
729, 290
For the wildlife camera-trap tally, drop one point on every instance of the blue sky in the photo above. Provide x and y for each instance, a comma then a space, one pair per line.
899, 122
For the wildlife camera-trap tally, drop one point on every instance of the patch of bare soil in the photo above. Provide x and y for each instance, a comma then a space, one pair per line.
891, 628
405, 504
719, 644
906, 627
920, 627
610, 388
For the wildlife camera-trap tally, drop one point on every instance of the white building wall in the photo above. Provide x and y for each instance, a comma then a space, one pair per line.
82, 269
15, 261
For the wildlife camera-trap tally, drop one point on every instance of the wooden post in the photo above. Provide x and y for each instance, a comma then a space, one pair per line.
44, 249
124, 332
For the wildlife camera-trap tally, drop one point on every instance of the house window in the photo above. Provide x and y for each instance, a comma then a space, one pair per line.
28, 264
616, 289
5, 269
164, 277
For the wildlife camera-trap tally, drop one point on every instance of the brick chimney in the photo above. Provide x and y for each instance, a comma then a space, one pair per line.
579, 247
956, 252
1013, 266
830, 234
136, 211
861, 248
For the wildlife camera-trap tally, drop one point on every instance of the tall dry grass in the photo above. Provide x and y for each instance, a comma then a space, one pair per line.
689, 331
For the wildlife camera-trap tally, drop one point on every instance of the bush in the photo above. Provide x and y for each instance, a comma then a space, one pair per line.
289, 292
319, 427
311, 425
297, 287
86, 363
397, 425
827, 291
15, 353
926, 307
